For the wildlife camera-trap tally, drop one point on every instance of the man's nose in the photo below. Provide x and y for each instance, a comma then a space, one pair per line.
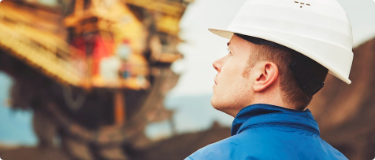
218, 64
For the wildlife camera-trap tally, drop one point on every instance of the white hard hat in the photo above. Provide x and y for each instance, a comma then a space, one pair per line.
319, 29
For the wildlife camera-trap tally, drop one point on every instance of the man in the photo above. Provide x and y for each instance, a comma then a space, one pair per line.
280, 52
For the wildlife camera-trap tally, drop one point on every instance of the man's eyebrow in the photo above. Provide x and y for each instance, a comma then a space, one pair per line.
228, 43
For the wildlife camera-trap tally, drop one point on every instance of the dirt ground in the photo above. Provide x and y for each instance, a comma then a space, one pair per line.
32, 153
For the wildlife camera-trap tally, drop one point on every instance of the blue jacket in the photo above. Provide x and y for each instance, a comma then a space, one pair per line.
267, 132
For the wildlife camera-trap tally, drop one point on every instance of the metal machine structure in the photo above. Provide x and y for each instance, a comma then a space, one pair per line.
94, 72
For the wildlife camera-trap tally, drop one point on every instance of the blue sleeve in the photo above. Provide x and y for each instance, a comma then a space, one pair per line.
188, 158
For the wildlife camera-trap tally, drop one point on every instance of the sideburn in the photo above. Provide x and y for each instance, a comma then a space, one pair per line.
251, 61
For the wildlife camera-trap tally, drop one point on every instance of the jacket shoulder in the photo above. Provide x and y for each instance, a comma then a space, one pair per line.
235, 147
269, 143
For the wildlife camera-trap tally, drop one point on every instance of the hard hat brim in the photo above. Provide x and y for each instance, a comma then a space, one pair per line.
228, 34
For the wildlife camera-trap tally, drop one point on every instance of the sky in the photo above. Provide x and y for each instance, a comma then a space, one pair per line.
15, 126
202, 47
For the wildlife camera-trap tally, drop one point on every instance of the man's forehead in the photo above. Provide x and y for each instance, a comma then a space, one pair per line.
235, 41
231, 40
238, 45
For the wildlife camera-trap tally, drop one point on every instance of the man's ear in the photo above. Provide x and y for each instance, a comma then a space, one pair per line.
266, 74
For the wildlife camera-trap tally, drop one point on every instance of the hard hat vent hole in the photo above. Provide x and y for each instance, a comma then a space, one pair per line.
302, 3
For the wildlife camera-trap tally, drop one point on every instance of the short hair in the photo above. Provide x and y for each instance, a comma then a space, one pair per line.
300, 76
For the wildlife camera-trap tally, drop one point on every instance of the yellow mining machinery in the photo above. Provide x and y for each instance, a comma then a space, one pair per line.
95, 72
33, 39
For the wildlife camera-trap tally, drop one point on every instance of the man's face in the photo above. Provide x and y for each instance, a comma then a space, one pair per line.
232, 89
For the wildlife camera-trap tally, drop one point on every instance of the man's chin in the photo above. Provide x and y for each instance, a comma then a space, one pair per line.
218, 106
222, 107
213, 101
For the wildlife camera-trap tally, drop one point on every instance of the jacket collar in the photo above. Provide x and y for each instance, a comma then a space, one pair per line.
265, 114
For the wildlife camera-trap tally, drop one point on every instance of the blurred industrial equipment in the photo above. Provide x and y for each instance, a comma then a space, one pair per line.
94, 72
